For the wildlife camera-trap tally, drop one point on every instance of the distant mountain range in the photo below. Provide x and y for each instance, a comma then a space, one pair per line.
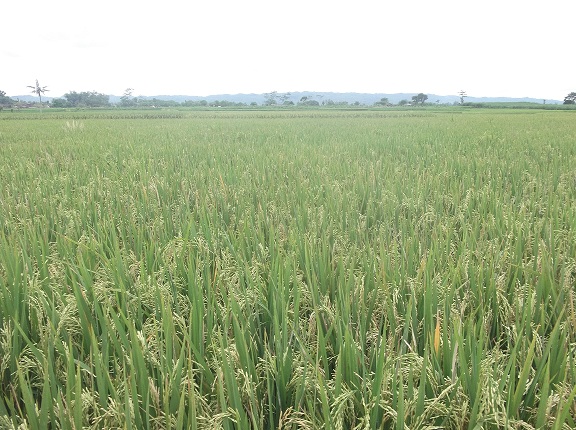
362, 98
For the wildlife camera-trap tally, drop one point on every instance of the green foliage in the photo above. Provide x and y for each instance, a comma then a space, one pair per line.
127, 100
5, 100
193, 103
308, 102
270, 99
59, 103
570, 99
300, 269
85, 99
382, 102
419, 98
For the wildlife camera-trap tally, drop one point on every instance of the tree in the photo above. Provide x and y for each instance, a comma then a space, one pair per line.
420, 98
284, 98
5, 100
271, 98
195, 103
570, 99
126, 99
157, 103
308, 102
59, 103
462, 94
37, 89
86, 98
383, 102
403, 102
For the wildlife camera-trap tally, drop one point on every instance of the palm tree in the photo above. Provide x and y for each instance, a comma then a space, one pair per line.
37, 89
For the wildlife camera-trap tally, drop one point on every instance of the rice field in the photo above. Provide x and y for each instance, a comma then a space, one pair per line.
288, 270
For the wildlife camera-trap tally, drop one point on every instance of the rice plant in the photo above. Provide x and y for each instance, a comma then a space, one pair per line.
341, 270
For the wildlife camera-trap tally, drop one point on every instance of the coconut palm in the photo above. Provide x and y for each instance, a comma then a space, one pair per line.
37, 89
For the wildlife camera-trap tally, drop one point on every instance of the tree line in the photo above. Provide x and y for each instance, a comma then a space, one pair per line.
94, 99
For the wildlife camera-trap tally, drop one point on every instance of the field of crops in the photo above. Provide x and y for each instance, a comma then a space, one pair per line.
293, 270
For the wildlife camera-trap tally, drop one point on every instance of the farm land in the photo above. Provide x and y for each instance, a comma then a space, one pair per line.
296, 270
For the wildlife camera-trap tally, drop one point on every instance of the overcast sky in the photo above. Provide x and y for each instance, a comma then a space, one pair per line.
487, 48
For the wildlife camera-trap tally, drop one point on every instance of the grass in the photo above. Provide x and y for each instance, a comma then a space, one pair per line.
288, 270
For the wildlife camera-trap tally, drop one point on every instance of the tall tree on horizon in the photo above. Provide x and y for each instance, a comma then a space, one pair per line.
37, 89
570, 99
420, 98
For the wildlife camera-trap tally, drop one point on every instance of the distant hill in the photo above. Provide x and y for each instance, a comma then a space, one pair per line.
362, 98
29, 98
